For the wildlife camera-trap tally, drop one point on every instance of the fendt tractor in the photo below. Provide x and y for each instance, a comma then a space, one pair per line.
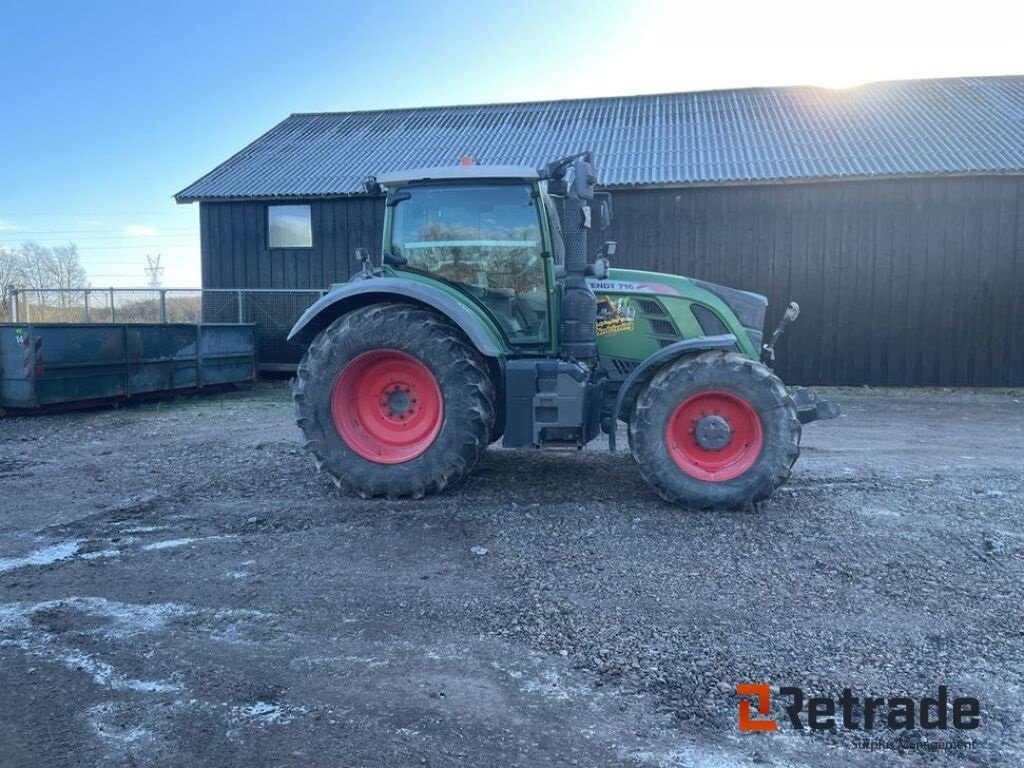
492, 316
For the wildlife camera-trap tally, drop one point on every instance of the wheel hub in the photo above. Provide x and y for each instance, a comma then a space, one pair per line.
398, 402
712, 432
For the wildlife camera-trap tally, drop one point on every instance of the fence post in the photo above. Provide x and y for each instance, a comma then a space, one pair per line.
10, 294
112, 314
163, 305
85, 293
241, 314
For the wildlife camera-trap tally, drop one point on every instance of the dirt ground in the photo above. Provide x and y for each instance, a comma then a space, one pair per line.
179, 587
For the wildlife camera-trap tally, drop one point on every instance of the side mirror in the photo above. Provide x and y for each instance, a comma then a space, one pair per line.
584, 177
604, 209
363, 256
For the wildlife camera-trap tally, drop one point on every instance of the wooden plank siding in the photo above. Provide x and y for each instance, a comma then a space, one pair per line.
235, 253
900, 282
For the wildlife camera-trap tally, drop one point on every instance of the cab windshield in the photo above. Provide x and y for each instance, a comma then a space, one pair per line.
485, 238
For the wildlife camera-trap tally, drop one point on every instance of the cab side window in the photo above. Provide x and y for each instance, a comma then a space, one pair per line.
485, 238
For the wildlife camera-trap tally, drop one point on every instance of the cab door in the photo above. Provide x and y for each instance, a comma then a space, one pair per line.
487, 239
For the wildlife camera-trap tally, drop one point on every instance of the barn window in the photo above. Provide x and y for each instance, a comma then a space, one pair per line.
289, 226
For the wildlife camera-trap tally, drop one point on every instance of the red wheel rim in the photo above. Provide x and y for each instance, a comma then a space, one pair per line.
714, 417
387, 407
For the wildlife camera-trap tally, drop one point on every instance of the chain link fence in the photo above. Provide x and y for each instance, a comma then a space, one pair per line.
274, 312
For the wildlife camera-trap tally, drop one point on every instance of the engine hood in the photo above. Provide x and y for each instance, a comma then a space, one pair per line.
748, 307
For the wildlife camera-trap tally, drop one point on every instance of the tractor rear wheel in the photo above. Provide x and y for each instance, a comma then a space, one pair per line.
394, 401
715, 431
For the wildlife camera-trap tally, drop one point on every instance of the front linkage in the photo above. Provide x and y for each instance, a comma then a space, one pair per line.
809, 406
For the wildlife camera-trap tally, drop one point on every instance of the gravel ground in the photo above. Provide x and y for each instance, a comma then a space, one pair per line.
178, 587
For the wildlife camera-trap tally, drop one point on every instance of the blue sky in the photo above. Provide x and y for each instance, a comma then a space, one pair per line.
111, 107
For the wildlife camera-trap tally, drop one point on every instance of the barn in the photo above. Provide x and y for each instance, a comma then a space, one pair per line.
892, 212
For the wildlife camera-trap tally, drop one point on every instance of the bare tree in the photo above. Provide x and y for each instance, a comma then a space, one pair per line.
10, 276
10, 268
35, 266
68, 271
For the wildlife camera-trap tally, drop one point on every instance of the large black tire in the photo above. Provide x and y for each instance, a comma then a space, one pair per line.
462, 377
713, 372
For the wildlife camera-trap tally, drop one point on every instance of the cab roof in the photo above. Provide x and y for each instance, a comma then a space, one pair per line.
459, 172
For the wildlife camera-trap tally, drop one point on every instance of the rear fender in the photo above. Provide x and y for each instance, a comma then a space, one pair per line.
373, 291
644, 372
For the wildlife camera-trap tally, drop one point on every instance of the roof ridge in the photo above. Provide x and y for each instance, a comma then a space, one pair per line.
619, 97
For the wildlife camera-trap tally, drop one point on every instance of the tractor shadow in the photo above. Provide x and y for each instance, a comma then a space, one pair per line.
527, 476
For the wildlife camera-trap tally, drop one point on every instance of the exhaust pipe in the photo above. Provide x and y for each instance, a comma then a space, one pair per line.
578, 329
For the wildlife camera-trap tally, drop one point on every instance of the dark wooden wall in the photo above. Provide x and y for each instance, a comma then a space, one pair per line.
900, 282
234, 243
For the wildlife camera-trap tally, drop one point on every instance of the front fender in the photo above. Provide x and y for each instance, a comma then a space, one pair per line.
640, 375
364, 292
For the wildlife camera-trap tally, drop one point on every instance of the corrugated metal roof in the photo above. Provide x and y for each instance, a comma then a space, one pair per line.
911, 127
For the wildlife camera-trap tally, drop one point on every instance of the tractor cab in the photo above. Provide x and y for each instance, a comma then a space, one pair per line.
485, 232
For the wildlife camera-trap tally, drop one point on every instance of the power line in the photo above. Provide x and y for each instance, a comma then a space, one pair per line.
139, 247
107, 261
104, 274
111, 238
92, 230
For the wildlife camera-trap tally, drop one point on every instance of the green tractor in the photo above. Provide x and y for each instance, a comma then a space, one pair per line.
492, 316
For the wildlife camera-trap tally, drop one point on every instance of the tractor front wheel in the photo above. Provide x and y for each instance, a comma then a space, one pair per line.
715, 431
394, 401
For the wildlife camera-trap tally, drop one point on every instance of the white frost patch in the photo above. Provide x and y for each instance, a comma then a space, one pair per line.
879, 511
123, 622
45, 556
267, 713
368, 661
126, 619
168, 544
172, 543
101, 720
100, 554
124, 738
104, 674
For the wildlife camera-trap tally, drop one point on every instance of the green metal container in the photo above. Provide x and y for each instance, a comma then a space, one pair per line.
49, 364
